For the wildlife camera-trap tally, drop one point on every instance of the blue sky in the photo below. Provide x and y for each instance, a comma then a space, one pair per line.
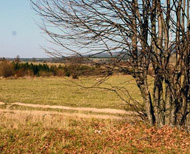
19, 34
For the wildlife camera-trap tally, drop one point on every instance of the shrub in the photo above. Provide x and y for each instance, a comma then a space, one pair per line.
75, 70
6, 69
45, 73
60, 72
24, 72
20, 73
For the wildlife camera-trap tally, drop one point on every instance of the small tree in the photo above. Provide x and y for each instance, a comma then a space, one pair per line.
150, 33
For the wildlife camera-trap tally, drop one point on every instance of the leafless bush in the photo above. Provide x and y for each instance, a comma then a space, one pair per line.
6, 69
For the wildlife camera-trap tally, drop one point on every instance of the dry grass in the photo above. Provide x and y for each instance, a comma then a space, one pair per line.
26, 132
69, 111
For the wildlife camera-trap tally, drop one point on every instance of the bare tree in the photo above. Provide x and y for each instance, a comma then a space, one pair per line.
152, 34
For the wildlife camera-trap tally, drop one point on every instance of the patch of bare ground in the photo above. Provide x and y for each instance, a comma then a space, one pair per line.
1, 103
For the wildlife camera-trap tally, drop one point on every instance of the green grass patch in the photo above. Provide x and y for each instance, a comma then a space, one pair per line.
66, 92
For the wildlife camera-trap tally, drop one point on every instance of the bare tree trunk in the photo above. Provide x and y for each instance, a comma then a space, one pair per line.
143, 86
158, 82
167, 93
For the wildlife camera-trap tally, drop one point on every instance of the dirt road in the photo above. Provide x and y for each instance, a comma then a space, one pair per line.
94, 112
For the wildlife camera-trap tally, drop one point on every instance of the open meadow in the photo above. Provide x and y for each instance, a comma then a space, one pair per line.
56, 115
66, 91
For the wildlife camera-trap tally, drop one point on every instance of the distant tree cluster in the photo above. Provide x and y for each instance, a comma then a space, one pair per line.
20, 69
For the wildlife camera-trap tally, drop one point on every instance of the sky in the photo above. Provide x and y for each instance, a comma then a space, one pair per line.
19, 33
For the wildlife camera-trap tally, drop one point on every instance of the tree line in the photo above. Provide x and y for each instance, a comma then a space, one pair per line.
21, 69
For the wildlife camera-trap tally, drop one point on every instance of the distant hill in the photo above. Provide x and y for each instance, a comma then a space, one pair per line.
107, 55
101, 55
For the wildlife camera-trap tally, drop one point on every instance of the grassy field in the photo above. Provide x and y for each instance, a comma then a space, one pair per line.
27, 129
65, 91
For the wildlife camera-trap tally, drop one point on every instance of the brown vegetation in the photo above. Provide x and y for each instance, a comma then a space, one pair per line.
6, 69
43, 133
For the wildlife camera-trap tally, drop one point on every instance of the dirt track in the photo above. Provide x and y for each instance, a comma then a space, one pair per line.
100, 115
45, 113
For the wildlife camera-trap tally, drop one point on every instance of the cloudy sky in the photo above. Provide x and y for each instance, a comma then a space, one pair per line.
19, 33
